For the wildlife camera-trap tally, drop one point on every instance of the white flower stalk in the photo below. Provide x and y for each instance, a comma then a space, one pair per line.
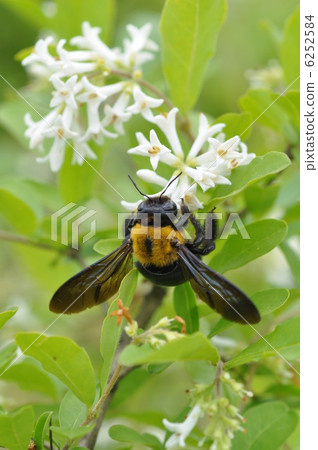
92, 107
208, 162
182, 430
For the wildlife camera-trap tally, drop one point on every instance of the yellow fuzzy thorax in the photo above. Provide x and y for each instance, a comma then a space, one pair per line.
152, 245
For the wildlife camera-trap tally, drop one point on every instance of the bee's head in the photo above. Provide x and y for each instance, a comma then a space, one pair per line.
160, 205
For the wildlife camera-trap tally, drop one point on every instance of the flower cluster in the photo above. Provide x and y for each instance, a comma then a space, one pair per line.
89, 99
270, 77
222, 417
208, 162
157, 335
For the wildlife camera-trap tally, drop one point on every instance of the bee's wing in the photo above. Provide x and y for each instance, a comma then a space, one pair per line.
219, 293
95, 284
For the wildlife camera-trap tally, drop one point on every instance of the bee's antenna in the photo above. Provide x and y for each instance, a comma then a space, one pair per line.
144, 195
170, 182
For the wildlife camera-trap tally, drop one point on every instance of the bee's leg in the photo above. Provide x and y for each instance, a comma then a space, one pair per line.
129, 223
199, 231
207, 244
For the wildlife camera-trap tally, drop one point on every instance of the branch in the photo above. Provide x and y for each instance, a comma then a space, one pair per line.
17, 238
150, 304
219, 369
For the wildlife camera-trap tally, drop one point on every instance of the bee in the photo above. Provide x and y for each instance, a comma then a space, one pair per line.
164, 256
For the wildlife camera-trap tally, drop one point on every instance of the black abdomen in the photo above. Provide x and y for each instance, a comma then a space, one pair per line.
165, 276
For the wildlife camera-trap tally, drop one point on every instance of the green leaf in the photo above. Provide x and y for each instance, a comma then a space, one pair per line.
292, 258
28, 10
16, 428
6, 315
41, 429
260, 199
7, 355
290, 49
189, 30
202, 372
72, 433
283, 342
29, 376
185, 306
259, 167
264, 236
188, 348
20, 216
72, 411
129, 385
63, 358
122, 433
106, 246
110, 331
76, 182
101, 14
266, 301
271, 422
236, 124
271, 110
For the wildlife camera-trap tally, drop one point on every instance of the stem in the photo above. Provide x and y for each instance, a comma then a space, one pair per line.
103, 399
104, 396
146, 84
219, 369
151, 302
12, 237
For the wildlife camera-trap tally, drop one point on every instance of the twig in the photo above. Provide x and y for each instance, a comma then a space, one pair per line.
151, 302
17, 238
219, 369
104, 395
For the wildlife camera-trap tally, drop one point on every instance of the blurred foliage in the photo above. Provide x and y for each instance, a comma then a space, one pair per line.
57, 377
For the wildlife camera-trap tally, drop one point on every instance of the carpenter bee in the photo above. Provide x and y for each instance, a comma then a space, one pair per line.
164, 256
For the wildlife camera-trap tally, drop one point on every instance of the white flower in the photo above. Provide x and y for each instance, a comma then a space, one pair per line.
232, 151
205, 131
167, 124
153, 148
130, 206
143, 104
93, 97
41, 53
206, 167
82, 151
91, 40
117, 114
182, 430
35, 130
71, 63
134, 55
61, 134
65, 91
140, 38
